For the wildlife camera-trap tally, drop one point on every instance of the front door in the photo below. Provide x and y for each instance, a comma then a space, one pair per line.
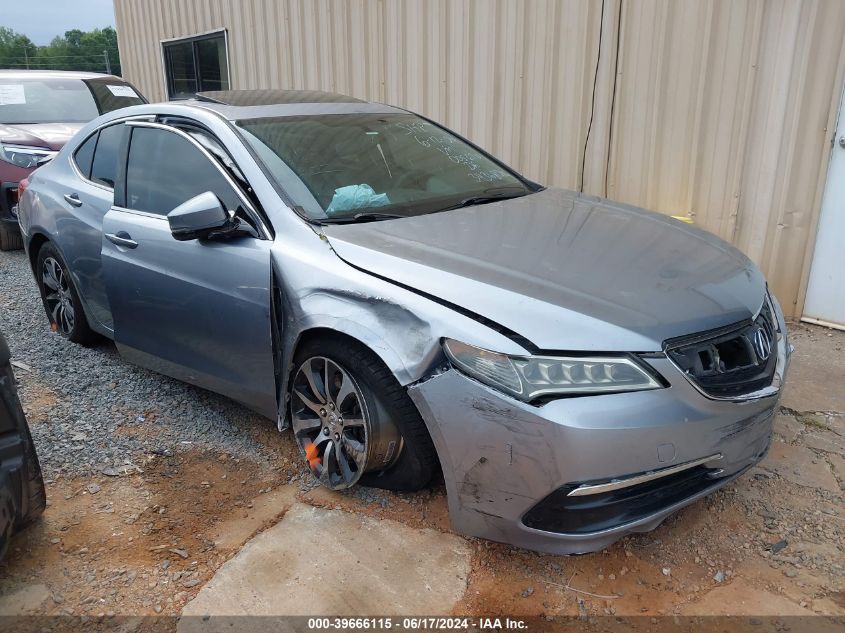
197, 310
825, 302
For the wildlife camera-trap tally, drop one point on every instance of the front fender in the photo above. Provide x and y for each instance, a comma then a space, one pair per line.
398, 335
315, 289
401, 340
396, 362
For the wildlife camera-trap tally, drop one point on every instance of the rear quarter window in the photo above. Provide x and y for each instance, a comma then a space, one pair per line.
84, 155
104, 165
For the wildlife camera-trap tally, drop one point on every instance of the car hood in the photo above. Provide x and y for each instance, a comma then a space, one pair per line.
564, 270
49, 135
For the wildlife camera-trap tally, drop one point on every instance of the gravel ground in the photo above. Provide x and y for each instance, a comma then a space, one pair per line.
95, 401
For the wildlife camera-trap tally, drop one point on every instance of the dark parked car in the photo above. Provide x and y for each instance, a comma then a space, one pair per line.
22, 497
39, 111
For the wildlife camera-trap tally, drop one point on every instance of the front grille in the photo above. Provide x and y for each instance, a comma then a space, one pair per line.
730, 362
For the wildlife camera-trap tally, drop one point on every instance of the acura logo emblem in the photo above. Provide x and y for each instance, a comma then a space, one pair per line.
761, 340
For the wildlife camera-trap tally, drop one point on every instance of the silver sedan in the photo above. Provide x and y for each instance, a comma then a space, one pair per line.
575, 369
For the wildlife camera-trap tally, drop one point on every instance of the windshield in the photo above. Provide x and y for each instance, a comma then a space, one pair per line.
339, 166
46, 100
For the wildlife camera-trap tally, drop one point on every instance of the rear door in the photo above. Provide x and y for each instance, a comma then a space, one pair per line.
196, 310
88, 197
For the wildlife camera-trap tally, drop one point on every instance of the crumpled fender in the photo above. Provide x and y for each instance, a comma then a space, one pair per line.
403, 328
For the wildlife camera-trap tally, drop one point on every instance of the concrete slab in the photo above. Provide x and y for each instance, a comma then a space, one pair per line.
818, 362
801, 466
826, 441
837, 462
267, 507
330, 562
741, 599
24, 601
787, 427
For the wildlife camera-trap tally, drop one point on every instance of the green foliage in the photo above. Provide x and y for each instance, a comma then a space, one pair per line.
14, 45
75, 50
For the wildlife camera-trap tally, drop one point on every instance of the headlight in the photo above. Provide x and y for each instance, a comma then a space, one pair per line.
527, 377
25, 157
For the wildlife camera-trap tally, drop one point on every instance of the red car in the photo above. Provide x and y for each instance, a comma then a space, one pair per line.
39, 111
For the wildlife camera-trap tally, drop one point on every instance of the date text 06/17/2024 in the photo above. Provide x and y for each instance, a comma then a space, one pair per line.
415, 623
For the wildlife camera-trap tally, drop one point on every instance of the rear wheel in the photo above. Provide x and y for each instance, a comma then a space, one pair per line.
61, 301
10, 237
354, 423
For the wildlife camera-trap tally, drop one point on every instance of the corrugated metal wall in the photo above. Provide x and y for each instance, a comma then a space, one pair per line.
721, 110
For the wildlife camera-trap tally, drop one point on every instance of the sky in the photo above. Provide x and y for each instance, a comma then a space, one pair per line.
42, 20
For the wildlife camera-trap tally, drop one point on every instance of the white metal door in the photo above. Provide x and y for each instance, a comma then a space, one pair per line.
825, 302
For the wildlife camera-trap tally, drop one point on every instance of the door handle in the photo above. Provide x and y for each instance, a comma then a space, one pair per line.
73, 199
122, 238
842, 142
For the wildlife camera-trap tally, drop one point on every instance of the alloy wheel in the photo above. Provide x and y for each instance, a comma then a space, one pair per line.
333, 427
57, 295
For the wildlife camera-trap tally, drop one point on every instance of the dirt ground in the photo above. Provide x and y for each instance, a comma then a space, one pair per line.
145, 540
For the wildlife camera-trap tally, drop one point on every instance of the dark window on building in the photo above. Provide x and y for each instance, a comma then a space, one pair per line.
195, 65
104, 166
164, 170
83, 155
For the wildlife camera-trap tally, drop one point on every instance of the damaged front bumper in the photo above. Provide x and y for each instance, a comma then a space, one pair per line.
576, 474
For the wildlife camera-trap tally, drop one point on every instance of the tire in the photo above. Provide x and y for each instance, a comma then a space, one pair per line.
10, 237
22, 495
388, 407
37, 495
8, 514
76, 330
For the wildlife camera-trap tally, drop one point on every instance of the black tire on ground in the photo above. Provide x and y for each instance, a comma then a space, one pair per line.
35, 480
7, 513
10, 237
22, 495
418, 463
81, 332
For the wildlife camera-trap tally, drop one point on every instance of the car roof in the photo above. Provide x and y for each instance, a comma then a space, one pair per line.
6, 73
252, 104
273, 97
275, 104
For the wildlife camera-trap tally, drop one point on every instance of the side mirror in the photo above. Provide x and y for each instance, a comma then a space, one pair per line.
199, 217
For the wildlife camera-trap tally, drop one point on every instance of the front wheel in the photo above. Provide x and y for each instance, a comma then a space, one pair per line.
354, 423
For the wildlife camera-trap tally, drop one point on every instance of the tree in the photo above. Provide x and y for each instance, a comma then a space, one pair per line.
15, 49
75, 50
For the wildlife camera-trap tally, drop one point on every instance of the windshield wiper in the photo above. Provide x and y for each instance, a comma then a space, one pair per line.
370, 215
474, 200
363, 216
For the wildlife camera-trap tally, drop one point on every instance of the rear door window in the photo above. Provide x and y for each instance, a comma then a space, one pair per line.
104, 165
